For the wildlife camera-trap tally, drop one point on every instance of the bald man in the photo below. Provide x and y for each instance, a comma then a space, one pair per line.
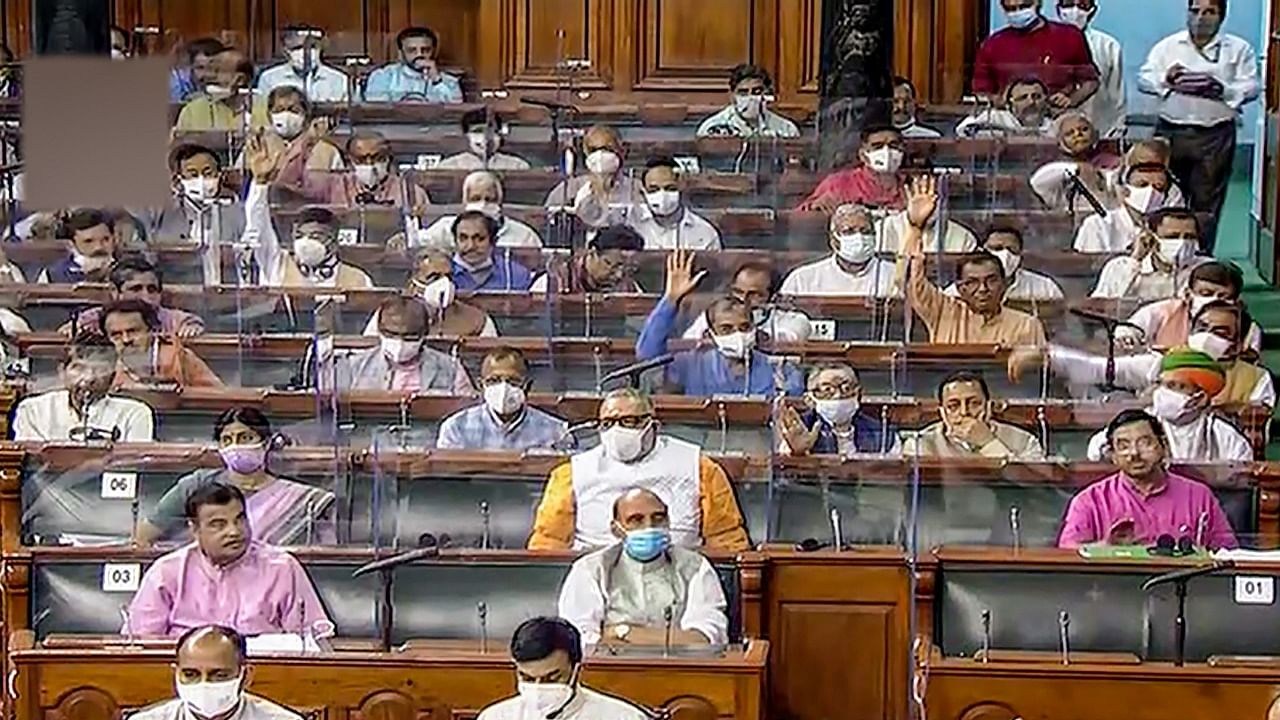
481, 191
604, 195
210, 678
621, 595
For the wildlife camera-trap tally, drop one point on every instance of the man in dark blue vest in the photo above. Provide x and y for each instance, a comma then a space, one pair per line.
91, 248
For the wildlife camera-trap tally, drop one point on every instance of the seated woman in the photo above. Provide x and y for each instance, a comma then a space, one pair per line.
281, 512
1081, 158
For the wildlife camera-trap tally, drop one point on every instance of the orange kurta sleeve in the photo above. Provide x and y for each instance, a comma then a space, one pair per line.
553, 525
722, 524
195, 373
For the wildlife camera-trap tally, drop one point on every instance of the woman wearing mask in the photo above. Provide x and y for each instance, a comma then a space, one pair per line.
280, 511
481, 192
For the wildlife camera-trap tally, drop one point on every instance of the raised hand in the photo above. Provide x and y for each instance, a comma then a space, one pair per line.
681, 280
1023, 359
799, 438
262, 163
922, 199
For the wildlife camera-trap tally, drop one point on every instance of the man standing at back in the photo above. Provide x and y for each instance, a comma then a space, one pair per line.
1107, 106
1032, 47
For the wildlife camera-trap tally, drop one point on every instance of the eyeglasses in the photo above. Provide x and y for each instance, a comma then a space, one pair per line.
991, 282
832, 392
631, 422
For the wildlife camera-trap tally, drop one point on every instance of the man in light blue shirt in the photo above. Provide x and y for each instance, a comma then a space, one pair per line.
417, 76
504, 421
321, 83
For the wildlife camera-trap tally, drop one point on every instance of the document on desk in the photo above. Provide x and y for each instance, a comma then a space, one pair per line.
280, 643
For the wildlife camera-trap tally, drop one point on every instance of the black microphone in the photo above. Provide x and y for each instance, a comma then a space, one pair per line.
633, 371
1100, 318
1073, 179
1187, 574
403, 558
548, 104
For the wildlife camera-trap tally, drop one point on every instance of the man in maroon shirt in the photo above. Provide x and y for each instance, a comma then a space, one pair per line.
1031, 46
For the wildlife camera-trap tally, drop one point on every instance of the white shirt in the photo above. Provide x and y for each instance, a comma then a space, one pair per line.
916, 131
692, 232
1106, 108
1135, 372
1227, 58
826, 277
471, 161
511, 233
1127, 278
1027, 286
781, 325
48, 417
1049, 183
584, 600
587, 704
260, 234
1151, 316
1113, 233
371, 327
1208, 438
574, 194
730, 123
994, 123
960, 239
326, 84
252, 708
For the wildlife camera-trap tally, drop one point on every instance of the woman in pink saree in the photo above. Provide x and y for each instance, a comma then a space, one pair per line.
281, 512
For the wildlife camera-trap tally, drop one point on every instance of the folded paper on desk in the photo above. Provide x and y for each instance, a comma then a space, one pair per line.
274, 643
1240, 555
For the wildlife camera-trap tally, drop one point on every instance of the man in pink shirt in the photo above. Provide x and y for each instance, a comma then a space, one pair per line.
1033, 47
135, 277
874, 182
224, 578
1144, 500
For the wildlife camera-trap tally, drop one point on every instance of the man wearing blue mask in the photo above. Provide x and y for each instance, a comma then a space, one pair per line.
624, 593
1032, 47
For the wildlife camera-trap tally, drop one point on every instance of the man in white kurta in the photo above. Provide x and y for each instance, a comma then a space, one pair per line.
1106, 107
83, 409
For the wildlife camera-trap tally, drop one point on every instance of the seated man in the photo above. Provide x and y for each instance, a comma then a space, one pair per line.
547, 653
1144, 500
1081, 158
477, 265
146, 356
189, 79
734, 366
875, 182
958, 238
905, 109
210, 676
292, 120
84, 409
1022, 284
1157, 265
979, 314
91, 248
225, 578
200, 211
432, 283
748, 115
1025, 112
852, 269
834, 423
135, 278
372, 179
225, 105
664, 220
1119, 230
416, 75
605, 194
504, 421
1151, 151
966, 428
620, 595
313, 259
1167, 323
402, 362
755, 283
577, 503
304, 69
484, 130
481, 192
606, 265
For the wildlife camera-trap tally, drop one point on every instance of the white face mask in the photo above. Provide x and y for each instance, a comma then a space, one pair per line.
663, 202
503, 398
1144, 199
603, 162
298, 57
1009, 259
399, 350
1198, 303
750, 107
1177, 250
837, 412
208, 699
1074, 16
492, 209
90, 263
218, 92
310, 252
735, 345
483, 145
1021, 19
200, 189
288, 123
624, 444
542, 699
1212, 345
1169, 405
856, 247
370, 175
885, 160
439, 293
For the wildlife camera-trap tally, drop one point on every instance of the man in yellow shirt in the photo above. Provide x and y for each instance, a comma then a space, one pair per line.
577, 504
225, 104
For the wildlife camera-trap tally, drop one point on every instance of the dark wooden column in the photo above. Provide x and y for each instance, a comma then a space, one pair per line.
856, 80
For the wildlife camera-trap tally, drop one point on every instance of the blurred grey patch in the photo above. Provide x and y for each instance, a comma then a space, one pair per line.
95, 132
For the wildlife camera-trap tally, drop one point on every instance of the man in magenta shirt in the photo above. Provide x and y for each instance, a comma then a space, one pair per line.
1031, 46
224, 578
1144, 500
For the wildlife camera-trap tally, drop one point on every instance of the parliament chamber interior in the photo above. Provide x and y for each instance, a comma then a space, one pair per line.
623, 359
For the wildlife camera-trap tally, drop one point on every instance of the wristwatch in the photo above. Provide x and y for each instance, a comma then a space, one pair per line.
621, 631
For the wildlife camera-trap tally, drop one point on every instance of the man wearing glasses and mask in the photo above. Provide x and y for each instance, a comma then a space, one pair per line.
83, 409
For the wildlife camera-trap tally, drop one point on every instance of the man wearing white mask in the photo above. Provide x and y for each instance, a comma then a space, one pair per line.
833, 422
373, 179
733, 366
401, 362
484, 130
605, 195
201, 211
291, 116
576, 506
547, 653
91, 248
1119, 230
504, 421
876, 181
303, 68
1107, 106
621, 595
432, 283
211, 676
664, 221
756, 284
748, 115
481, 192
1024, 285
852, 269
1155, 269
1167, 323
1031, 46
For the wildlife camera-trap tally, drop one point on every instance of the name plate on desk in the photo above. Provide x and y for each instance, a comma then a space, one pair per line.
121, 577
1255, 590
119, 485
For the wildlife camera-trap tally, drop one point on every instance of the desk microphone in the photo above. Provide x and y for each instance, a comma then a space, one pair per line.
1202, 527
1077, 187
395, 561
1103, 319
548, 104
128, 625
667, 613
633, 371
482, 612
837, 534
1015, 527
1064, 632
484, 519
1177, 576
986, 635
133, 511
1179, 579
1110, 324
